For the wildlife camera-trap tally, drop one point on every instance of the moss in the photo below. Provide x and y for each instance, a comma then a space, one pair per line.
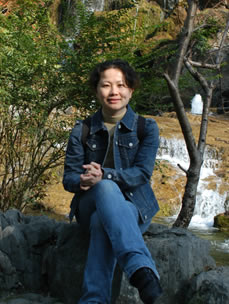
221, 221
168, 209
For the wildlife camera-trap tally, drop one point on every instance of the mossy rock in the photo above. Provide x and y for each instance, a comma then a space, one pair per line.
221, 221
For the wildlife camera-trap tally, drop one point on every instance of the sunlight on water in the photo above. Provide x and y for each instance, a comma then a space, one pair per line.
224, 246
208, 202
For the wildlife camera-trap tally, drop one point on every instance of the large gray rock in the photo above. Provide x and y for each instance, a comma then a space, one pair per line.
29, 298
209, 287
179, 255
23, 241
40, 255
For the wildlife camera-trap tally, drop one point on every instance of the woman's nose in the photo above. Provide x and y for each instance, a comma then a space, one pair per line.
114, 90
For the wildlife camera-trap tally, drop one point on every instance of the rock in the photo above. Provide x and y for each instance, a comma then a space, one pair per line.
29, 298
23, 241
209, 287
41, 256
179, 255
221, 221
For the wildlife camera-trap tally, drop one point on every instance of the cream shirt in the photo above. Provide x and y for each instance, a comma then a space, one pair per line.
110, 123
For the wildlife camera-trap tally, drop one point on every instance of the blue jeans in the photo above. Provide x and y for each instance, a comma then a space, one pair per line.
115, 237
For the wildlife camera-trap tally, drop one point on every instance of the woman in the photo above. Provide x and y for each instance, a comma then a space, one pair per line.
110, 176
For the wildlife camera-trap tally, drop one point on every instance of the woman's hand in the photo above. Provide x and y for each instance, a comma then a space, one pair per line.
93, 174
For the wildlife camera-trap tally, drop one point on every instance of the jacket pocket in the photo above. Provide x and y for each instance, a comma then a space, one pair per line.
128, 147
95, 151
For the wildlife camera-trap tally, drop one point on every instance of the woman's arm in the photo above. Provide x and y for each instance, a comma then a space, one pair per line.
74, 160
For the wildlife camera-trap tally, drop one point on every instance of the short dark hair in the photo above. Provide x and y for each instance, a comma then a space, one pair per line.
131, 77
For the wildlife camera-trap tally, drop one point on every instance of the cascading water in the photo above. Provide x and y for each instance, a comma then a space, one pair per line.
135, 21
208, 202
94, 5
197, 104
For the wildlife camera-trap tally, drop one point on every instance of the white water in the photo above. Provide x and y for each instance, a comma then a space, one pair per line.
94, 5
208, 202
197, 104
224, 246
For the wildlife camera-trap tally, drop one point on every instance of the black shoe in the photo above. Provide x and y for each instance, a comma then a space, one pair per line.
147, 284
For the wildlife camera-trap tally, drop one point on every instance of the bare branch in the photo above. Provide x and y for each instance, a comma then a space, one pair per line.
183, 169
196, 75
203, 65
183, 119
184, 41
208, 89
204, 121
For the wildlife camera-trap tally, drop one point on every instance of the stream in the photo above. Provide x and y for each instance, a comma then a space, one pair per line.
209, 202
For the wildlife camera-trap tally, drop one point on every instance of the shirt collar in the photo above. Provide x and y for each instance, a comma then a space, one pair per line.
128, 120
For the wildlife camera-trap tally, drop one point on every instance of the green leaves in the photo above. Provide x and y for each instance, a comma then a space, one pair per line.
206, 31
32, 86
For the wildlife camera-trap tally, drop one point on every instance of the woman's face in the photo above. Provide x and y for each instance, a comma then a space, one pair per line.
113, 92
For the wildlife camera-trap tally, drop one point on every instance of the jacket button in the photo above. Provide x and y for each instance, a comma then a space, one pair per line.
131, 194
109, 176
94, 146
145, 217
130, 144
119, 126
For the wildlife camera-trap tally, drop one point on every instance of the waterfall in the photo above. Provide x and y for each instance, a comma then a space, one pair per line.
197, 104
71, 11
135, 21
94, 5
208, 202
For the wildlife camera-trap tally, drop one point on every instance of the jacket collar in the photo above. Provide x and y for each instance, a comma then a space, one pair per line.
128, 120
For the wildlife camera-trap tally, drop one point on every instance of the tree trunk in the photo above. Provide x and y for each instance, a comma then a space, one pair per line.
196, 157
189, 197
195, 151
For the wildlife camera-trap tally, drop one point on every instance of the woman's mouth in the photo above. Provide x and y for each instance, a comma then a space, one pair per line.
113, 100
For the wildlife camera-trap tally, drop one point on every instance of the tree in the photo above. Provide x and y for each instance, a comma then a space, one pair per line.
195, 150
33, 90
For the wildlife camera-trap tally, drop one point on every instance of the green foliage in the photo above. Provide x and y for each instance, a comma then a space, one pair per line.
204, 33
114, 34
32, 86
44, 72
119, 4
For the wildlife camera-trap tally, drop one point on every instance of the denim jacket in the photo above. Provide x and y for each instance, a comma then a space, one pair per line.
133, 159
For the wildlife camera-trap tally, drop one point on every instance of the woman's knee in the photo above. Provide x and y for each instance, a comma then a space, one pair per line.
106, 186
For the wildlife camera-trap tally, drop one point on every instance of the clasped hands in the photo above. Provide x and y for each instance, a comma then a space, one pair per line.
93, 174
